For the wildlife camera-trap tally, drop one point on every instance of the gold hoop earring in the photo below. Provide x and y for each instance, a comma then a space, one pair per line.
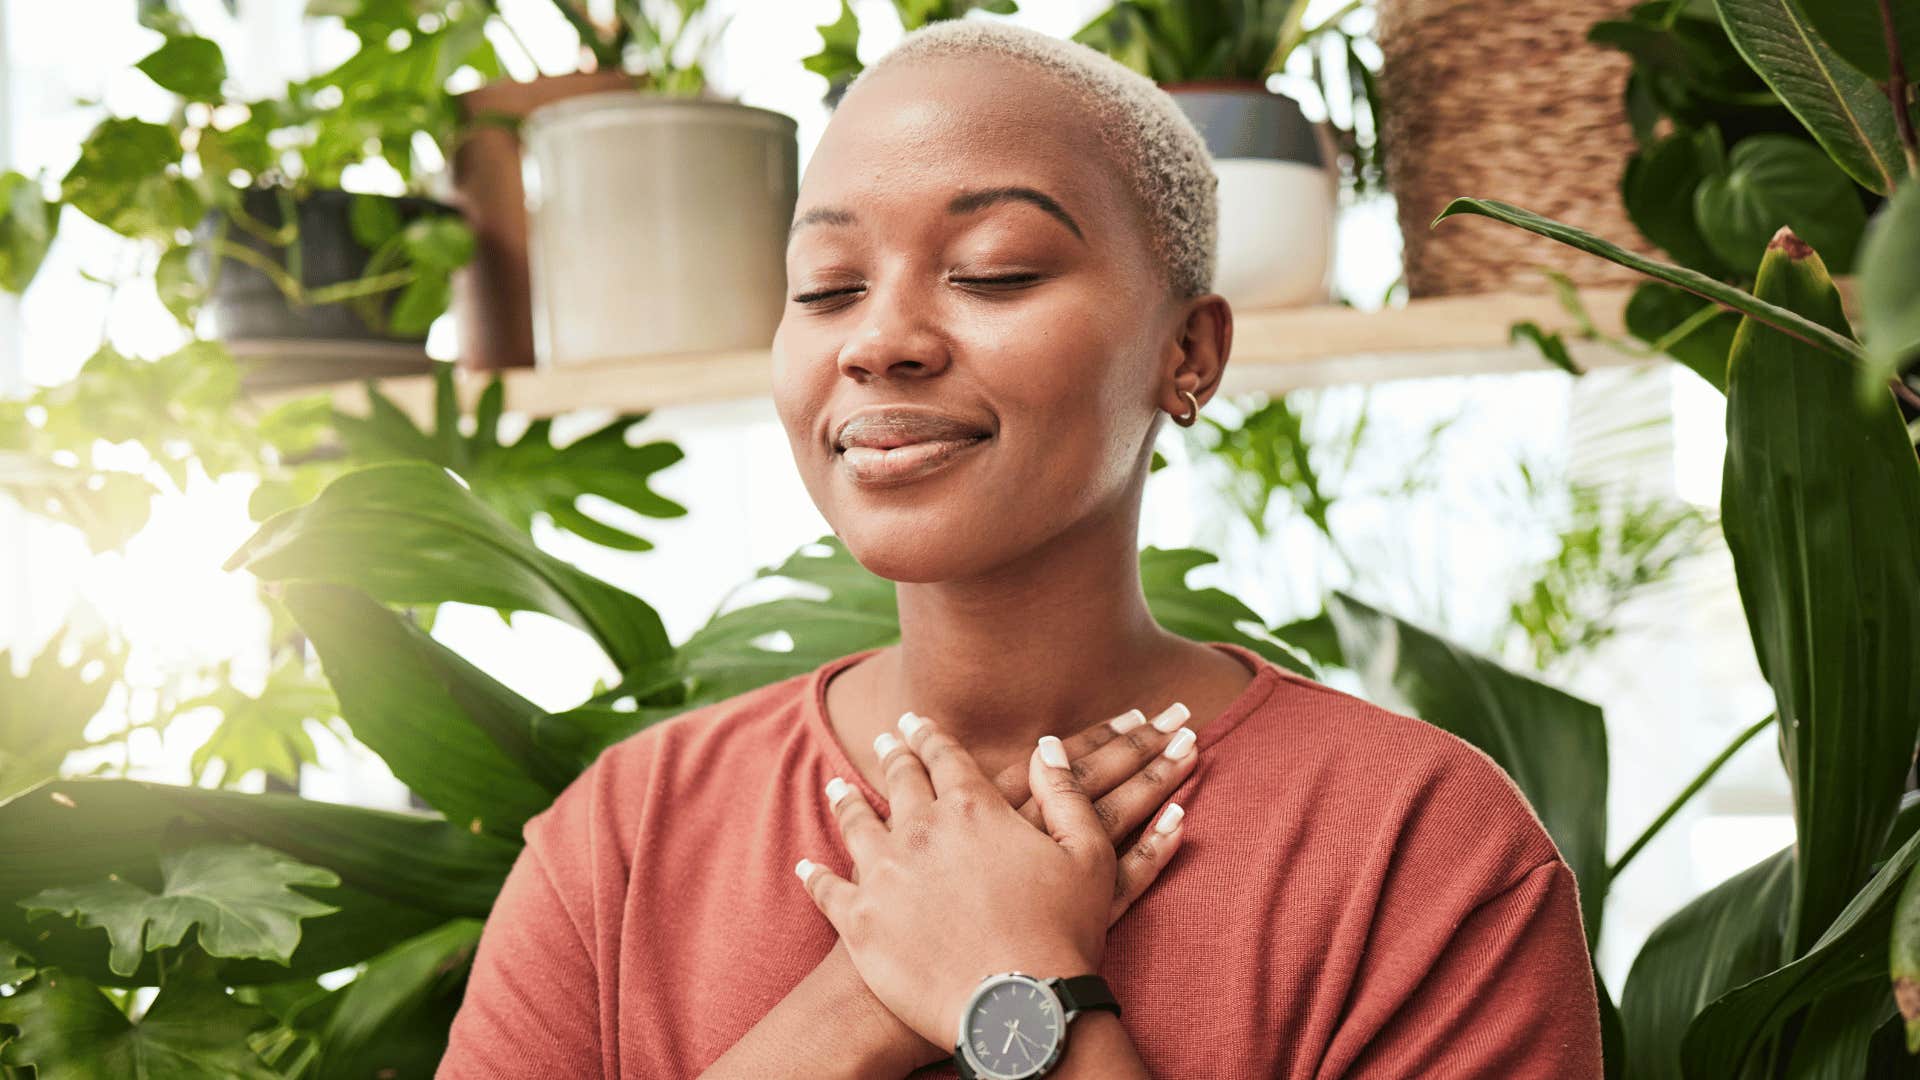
1193, 413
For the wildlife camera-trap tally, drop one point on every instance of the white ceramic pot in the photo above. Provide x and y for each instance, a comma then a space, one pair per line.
656, 225
1278, 194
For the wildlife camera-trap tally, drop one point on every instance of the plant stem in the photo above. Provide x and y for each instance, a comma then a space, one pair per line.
1897, 90
1687, 793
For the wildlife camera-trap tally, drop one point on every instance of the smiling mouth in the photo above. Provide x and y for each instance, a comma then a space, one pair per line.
902, 464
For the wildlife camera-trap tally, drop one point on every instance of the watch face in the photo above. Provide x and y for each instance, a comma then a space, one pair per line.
1013, 1027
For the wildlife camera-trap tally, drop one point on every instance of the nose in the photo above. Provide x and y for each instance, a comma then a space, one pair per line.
895, 336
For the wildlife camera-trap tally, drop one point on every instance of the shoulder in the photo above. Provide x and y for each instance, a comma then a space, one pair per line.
1400, 788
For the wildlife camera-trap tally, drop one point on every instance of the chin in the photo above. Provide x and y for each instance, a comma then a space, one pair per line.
909, 546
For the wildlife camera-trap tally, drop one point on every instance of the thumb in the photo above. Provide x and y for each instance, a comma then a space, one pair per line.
1064, 807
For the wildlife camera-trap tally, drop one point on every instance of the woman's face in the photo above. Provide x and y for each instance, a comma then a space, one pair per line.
963, 249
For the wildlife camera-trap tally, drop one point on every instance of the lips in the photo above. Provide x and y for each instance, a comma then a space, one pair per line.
888, 446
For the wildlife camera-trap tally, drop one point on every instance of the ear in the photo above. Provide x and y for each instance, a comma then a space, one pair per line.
1197, 356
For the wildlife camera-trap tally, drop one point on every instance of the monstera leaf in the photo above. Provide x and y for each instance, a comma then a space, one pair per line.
239, 896
44, 712
266, 731
66, 1027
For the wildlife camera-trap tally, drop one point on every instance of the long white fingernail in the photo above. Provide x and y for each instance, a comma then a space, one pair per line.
836, 790
910, 724
1052, 752
1169, 819
804, 868
1127, 721
884, 743
1171, 717
1181, 744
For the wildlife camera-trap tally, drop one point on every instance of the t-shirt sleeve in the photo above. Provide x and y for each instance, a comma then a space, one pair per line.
531, 1006
1510, 995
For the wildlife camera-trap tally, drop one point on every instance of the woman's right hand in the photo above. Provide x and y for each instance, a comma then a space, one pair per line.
1128, 776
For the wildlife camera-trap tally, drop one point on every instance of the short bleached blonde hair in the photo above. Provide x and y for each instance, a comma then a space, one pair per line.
1147, 136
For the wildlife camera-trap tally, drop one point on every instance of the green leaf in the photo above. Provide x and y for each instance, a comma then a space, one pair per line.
839, 58
239, 896
26, 230
1843, 109
1890, 288
1729, 1031
1552, 744
266, 732
1903, 946
1552, 347
128, 179
1657, 190
70, 1030
1821, 510
391, 1020
15, 965
1773, 181
192, 67
44, 713
374, 219
1207, 614
1664, 316
1854, 29
458, 738
1727, 936
1779, 318
408, 533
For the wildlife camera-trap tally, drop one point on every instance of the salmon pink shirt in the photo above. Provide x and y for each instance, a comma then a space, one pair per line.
1359, 894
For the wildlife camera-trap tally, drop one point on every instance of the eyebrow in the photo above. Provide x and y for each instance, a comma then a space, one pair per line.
967, 202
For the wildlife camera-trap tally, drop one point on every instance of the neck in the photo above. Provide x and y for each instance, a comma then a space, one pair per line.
1071, 618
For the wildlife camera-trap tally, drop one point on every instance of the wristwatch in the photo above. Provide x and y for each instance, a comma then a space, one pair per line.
1014, 1027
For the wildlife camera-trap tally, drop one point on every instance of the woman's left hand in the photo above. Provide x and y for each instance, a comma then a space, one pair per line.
956, 885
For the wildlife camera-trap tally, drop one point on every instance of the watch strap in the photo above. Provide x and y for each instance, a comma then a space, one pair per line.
1079, 993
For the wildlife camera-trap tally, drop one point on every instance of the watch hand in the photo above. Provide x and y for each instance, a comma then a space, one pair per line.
1012, 1030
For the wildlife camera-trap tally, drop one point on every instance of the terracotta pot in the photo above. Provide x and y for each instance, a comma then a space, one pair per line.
492, 297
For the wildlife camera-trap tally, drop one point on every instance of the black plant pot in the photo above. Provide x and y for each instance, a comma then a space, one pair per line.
287, 345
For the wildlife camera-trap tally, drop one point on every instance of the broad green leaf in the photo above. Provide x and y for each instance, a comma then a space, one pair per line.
529, 476
239, 897
1727, 936
1776, 181
128, 179
1787, 322
70, 1030
15, 965
1207, 614
1821, 510
838, 59
265, 731
27, 228
400, 872
1657, 190
1903, 947
192, 67
1552, 744
1845, 111
392, 1018
408, 533
44, 712
1855, 30
1728, 1032
1890, 288
458, 738
108, 507
1676, 321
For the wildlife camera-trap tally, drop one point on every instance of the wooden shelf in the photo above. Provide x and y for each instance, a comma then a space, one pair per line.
1274, 351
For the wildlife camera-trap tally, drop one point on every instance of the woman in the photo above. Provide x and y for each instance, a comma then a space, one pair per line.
998, 280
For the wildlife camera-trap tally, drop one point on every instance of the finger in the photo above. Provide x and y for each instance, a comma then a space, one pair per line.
950, 767
1070, 819
1012, 780
1146, 858
1132, 775
908, 787
860, 827
831, 893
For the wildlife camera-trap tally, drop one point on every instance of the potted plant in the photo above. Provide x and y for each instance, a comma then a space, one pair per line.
1279, 179
241, 206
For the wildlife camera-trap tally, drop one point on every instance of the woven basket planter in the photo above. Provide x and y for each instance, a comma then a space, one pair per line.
1503, 99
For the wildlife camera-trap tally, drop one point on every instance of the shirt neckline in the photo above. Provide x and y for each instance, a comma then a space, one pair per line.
1267, 678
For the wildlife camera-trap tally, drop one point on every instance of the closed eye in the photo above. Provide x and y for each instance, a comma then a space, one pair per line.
827, 294
1007, 280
